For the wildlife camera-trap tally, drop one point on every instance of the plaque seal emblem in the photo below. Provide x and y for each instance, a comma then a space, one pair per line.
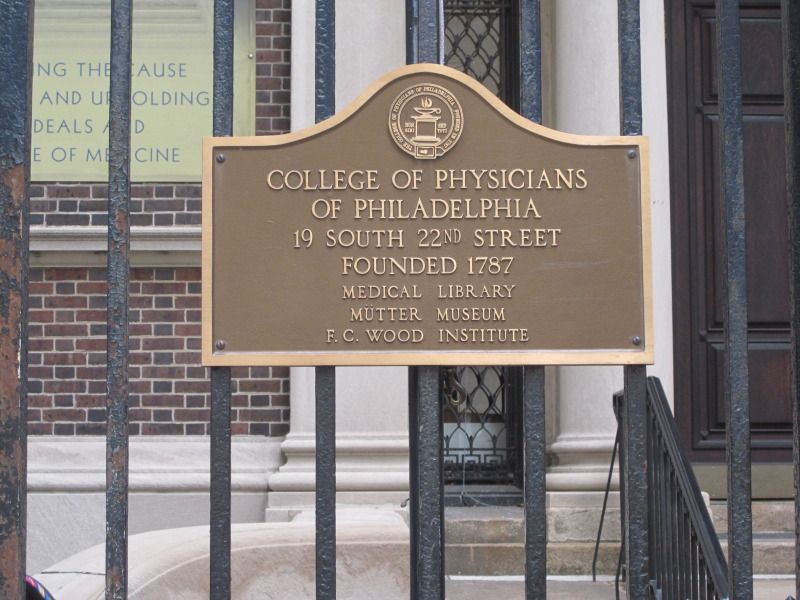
426, 120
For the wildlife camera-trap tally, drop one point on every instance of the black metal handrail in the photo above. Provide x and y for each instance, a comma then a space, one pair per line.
685, 556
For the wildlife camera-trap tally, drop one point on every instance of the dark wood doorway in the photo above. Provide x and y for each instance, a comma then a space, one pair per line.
696, 253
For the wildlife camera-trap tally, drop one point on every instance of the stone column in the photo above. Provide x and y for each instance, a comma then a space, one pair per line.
371, 439
372, 402
585, 98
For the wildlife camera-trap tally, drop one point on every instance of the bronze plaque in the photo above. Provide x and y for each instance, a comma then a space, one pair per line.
427, 223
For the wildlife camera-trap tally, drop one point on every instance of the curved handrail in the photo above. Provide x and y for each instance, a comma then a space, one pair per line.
705, 570
702, 526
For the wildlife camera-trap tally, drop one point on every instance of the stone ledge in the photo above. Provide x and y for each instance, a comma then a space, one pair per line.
509, 559
169, 483
69, 464
86, 246
768, 516
502, 525
364, 463
771, 556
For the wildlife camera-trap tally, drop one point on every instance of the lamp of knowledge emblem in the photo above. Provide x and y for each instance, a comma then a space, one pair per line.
426, 120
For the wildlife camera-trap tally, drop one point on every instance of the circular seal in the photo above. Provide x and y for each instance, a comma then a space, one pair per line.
426, 120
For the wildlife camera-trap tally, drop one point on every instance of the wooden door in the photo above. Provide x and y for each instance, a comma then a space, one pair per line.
696, 228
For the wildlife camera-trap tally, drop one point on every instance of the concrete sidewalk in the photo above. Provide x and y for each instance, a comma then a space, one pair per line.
561, 589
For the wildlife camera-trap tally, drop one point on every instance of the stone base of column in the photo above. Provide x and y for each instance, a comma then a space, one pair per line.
580, 463
370, 470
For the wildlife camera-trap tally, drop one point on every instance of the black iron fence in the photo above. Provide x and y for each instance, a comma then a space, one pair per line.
425, 27
16, 32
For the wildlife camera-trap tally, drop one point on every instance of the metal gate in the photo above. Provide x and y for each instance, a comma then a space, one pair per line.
424, 44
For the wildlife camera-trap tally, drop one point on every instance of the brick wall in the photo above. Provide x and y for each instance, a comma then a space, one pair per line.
169, 388
60, 204
273, 65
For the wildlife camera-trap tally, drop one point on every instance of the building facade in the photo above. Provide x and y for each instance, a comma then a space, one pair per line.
274, 407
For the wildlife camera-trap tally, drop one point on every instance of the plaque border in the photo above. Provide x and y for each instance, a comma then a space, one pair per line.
211, 357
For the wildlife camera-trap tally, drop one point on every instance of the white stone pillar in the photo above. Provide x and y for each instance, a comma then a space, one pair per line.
371, 402
585, 95
371, 439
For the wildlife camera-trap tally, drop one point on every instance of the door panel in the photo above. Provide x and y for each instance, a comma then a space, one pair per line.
697, 229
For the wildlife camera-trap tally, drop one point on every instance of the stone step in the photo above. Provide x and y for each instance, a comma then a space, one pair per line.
773, 553
570, 558
557, 589
570, 589
495, 524
768, 516
489, 540
484, 525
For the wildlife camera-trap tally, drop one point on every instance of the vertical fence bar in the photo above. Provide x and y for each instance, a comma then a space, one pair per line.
412, 57
429, 28
630, 65
16, 41
220, 491
530, 35
535, 491
634, 442
737, 405
325, 60
634, 439
117, 315
424, 44
325, 381
413, 482
325, 418
790, 21
427, 484
412, 31
220, 488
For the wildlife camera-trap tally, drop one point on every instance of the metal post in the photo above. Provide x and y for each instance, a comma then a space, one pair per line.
117, 312
220, 489
412, 31
325, 382
424, 44
634, 415
630, 68
791, 84
533, 396
427, 484
634, 449
325, 60
325, 418
530, 84
737, 397
429, 41
535, 490
16, 41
